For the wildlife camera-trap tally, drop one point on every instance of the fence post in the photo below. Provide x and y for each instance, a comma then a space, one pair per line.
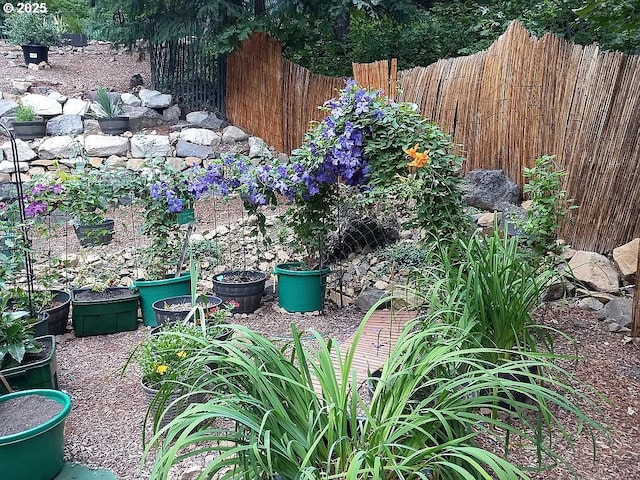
635, 328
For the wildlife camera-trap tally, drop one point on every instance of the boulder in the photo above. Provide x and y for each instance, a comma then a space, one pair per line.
626, 258
595, 271
25, 153
257, 147
489, 190
7, 167
619, 310
207, 120
200, 136
142, 117
234, 134
65, 125
130, 99
7, 107
42, 104
154, 99
187, 149
58, 97
75, 106
63, 146
143, 146
172, 114
105, 145
368, 298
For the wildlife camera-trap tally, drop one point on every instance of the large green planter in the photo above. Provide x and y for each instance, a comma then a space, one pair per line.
36, 453
39, 374
101, 316
153, 290
301, 290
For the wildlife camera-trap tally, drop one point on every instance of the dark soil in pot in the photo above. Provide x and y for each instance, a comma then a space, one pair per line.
93, 296
23, 413
240, 277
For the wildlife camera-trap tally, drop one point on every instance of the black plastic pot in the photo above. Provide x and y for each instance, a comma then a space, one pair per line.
113, 125
94, 235
58, 316
242, 287
74, 39
166, 314
29, 130
35, 54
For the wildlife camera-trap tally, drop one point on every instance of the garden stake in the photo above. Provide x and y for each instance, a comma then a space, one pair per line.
6, 384
185, 245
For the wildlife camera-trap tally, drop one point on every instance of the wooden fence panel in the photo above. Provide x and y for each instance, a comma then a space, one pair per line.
255, 88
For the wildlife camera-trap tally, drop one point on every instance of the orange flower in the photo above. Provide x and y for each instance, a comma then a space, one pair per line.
420, 159
412, 151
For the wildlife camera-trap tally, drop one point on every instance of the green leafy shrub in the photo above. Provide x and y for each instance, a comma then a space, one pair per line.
25, 113
16, 338
31, 29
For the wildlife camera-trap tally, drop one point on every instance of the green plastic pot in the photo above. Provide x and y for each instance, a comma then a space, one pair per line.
153, 290
37, 453
301, 290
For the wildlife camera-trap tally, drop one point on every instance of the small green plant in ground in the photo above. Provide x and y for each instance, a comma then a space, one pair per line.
25, 113
549, 207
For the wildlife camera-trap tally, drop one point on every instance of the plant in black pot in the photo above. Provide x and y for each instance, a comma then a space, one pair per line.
34, 32
108, 110
25, 361
27, 125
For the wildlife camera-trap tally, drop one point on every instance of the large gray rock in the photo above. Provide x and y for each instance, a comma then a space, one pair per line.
369, 297
207, 120
42, 105
489, 190
130, 99
619, 310
147, 146
626, 258
25, 153
595, 271
172, 114
154, 99
63, 146
200, 136
7, 107
75, 106
65, 125
257, 147
105, 145
142, 117
186, 149
234, 134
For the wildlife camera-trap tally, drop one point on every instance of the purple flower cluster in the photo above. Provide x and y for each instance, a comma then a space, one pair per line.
42, 198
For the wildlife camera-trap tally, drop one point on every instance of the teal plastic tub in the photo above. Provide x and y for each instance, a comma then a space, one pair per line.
301, 290
153, 290
37, 453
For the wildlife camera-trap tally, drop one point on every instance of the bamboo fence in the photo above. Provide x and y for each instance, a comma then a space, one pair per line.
505, 106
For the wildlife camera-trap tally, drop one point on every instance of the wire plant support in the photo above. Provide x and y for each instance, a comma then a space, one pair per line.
24, 231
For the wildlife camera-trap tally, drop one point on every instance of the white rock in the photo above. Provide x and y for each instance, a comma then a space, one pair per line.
114, 161
154, 99
20, 86
197, 117
25, 153
75, 106
595, 271
58, 97
144, 146
257, 147
7, 167
130, 99
200, 136
41, 104
626, 258
60, 146
233, 134
105, 145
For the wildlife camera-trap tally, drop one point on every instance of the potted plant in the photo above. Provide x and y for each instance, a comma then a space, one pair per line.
99, 307
70, 28
54, 304
33, 449
26, 125
108, 109
25, 361
85, 195
34, 32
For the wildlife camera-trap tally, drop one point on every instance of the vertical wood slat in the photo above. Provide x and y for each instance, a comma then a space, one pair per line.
505, 106
635, 327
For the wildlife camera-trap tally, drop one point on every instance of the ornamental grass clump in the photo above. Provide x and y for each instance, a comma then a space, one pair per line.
296, 412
